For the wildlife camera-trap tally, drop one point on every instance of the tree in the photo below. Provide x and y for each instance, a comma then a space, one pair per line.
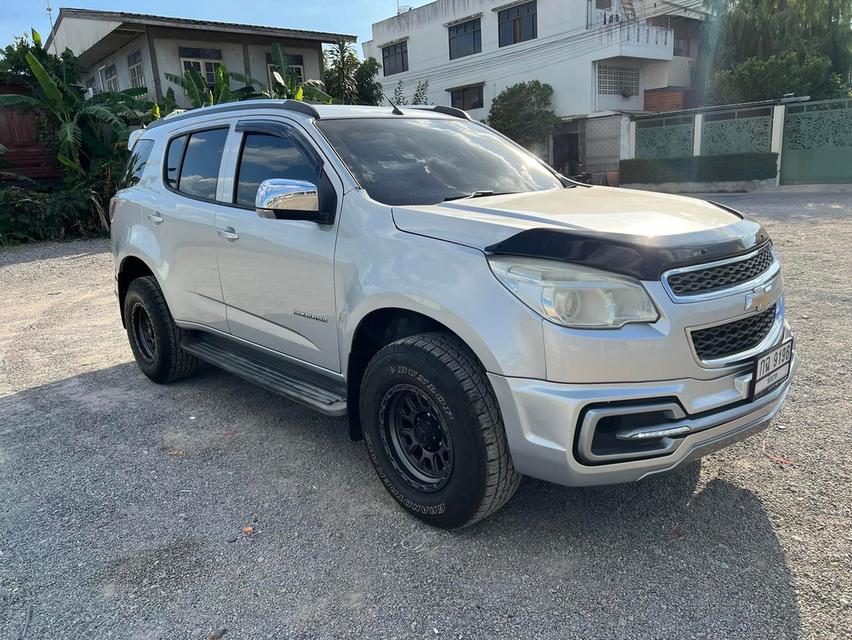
341, 70
199, 94
76, 120
767, 79
369, 89
398, 95
740, 30
286, 86
91, 134
524, 113
421, 93
420, 96
14, 68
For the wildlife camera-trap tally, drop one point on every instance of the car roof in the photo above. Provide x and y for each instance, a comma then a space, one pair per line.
315, 111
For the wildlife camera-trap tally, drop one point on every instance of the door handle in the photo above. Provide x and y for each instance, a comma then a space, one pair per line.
156, 218
228, 233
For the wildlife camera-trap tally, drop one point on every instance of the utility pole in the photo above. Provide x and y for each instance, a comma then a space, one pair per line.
50, 18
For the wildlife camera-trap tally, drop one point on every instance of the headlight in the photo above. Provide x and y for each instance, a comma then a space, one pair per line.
575, 296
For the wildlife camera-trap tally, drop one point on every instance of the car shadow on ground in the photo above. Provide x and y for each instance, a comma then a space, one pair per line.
115, 472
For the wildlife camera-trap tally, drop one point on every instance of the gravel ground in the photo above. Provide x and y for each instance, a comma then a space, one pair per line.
123, 503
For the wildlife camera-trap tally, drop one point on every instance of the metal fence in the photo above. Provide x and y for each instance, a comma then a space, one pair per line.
736, 131
669, 137
817, 144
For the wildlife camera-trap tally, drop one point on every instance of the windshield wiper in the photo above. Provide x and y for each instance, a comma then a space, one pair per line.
478, 194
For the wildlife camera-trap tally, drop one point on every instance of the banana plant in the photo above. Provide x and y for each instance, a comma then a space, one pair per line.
73, 117
200, 94
286, 86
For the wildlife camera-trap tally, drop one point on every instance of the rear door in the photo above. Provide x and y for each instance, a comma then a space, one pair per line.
181, 219
278, 275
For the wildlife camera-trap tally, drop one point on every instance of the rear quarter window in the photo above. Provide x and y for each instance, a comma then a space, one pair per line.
136, 163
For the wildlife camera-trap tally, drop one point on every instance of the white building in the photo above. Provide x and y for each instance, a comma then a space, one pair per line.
124, 50
602, 58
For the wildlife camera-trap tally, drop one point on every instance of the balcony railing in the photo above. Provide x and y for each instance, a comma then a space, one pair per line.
635, 39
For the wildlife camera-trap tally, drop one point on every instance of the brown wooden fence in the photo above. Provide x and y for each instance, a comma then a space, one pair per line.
27, 154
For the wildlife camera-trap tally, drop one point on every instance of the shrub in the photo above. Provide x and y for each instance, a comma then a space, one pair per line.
524, 113
767, 79
32, 216
722, 168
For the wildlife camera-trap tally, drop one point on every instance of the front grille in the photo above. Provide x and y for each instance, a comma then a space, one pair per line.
734, 337
691, 283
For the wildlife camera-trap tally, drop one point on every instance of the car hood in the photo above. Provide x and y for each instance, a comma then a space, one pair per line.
667, 230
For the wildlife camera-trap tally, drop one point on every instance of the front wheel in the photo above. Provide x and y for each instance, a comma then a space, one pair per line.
433, 431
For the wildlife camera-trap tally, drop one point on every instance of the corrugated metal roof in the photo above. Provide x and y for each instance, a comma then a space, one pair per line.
189, 23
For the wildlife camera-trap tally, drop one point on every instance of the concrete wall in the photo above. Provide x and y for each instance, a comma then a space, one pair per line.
676, 73
571, 37
79, 34
119, 59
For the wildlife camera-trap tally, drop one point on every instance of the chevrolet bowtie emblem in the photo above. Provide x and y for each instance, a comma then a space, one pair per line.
759, 298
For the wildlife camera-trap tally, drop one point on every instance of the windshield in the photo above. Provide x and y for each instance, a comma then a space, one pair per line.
425, 161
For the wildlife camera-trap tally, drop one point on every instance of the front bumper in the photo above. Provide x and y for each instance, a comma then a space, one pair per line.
546, 423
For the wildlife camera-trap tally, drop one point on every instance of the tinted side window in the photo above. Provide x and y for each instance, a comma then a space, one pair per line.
199, 173
173, 158
266, 156
136, 164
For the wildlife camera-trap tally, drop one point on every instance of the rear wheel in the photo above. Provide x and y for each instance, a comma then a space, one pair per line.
434, 432
154, 338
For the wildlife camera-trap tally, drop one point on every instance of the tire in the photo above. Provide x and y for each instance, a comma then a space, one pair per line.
428, 395
154, 337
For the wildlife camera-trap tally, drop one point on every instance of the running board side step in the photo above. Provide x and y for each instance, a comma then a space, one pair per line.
266, 370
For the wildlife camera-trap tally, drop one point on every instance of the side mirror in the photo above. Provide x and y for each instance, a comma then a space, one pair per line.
281, 199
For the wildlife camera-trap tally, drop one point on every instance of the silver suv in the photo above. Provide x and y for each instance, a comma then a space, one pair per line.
475, 314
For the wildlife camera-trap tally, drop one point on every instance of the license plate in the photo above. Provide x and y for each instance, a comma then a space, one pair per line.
771, 369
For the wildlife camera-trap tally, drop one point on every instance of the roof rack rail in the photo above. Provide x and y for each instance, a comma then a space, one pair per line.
303, 107
290, 105
449, 111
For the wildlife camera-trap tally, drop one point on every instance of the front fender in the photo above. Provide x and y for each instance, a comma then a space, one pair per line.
449, 283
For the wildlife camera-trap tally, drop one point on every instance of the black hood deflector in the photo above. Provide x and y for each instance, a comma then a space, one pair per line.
644, 258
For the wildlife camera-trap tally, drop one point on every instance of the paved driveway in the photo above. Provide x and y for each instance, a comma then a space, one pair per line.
123, 503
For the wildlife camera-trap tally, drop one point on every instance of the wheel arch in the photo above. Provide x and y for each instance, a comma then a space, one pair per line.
376, 329
131, 268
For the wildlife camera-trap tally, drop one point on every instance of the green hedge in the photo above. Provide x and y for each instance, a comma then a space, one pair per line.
723, 168
27, 215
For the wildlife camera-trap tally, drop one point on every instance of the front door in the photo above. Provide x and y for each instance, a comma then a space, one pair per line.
278, 275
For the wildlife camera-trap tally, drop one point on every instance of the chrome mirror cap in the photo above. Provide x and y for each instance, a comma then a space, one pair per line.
278, 194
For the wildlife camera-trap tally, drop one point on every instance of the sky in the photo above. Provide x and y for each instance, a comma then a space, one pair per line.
336, 16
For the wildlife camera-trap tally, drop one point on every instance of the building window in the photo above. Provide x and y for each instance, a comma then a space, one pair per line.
467, 98
110, 78
204, 61
296, 65
681, 47
618, 80
134, 64
395, 58
297, 70
465, 38
517, 24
